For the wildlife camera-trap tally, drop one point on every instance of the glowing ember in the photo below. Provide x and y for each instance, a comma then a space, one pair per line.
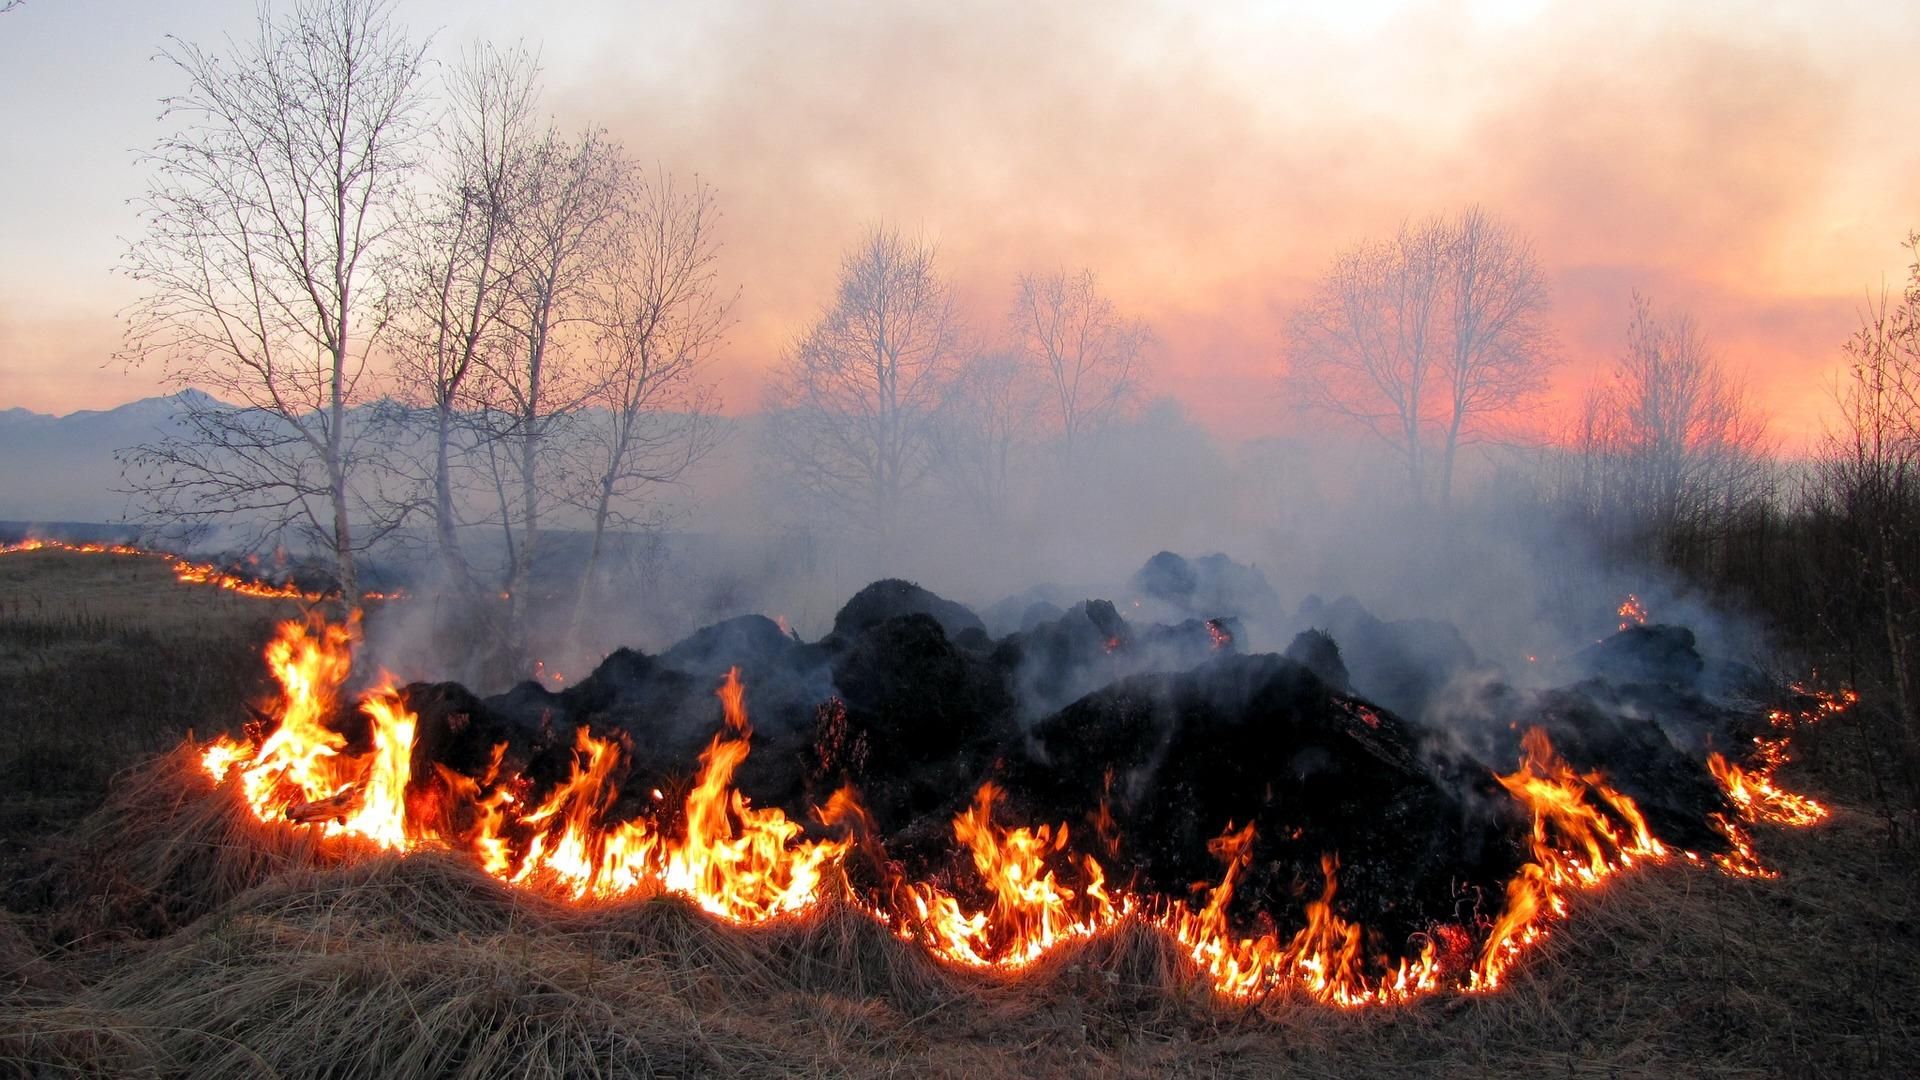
547, 676
1632, 612
1035, 891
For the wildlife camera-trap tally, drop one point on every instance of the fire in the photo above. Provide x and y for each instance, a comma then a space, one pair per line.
1753, 791
1632, 612
734, 860
1584, 831
1033, 890
1757, 797
1326, 959
1031, 910
188, 572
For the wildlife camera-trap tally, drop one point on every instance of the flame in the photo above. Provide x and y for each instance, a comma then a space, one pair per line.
1632, 612
1031, 910
1583, 832
734, 860
1221, 636
188, 572
1030, 891
1756, 795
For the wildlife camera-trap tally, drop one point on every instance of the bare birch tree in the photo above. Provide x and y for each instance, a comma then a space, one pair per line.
854, 401
648, 415
1670, 448
1425, 339
270, 216
460, 270
534, 387
1089, 355
1499, 349
1679, 422
1365, 346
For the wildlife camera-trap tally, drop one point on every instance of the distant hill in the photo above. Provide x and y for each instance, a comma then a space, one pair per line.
62, 468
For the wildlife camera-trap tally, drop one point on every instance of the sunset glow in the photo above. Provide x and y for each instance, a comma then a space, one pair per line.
1731, 161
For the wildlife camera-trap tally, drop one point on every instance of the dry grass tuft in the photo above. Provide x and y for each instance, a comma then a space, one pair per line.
167, 848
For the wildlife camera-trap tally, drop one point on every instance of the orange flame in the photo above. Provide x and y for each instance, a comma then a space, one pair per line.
1583, 832
1031, 911
747, 864
734, 860
1759, 799
1754, 792
188, 572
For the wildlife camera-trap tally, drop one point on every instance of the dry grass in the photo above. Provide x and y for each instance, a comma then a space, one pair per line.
167, 936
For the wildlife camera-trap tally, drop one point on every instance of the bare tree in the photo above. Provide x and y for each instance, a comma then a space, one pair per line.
1364, 345
1499, 348
460, 269
1671, 441
561, 248
854, 401
648, 417
996, 405
1424, 338
272, 209
1089, 354
1868, 481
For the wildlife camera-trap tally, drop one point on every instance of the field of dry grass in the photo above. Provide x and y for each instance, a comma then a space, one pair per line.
159, 933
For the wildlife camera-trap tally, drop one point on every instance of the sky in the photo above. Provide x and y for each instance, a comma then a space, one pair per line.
1751, 163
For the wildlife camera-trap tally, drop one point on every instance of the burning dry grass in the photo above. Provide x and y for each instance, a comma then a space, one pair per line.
167, 934
175, 937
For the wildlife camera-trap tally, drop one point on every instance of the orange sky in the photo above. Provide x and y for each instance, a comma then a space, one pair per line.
1753, 163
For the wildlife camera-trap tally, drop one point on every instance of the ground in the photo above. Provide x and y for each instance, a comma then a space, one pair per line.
145, 933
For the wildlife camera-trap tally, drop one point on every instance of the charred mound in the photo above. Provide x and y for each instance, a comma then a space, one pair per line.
1211, 586
1402, 663
1148, 741
892, 597
1158, 765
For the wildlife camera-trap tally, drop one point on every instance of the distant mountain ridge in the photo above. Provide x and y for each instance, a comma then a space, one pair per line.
62, 468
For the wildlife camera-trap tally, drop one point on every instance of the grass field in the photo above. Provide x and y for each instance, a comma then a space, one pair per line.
149, 930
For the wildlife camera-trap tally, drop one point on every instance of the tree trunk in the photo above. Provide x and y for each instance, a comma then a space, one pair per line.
344, 570
1446, 461
446, 529
577, 619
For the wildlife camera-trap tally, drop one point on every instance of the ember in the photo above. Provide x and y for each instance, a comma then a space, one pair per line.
1632, 612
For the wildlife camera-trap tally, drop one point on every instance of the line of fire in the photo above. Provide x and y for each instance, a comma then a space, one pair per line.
993, 799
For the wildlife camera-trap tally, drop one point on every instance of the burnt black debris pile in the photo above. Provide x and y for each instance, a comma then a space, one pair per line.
1374, 741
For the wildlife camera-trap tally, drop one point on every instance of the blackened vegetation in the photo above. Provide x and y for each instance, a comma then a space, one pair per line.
1147, 740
